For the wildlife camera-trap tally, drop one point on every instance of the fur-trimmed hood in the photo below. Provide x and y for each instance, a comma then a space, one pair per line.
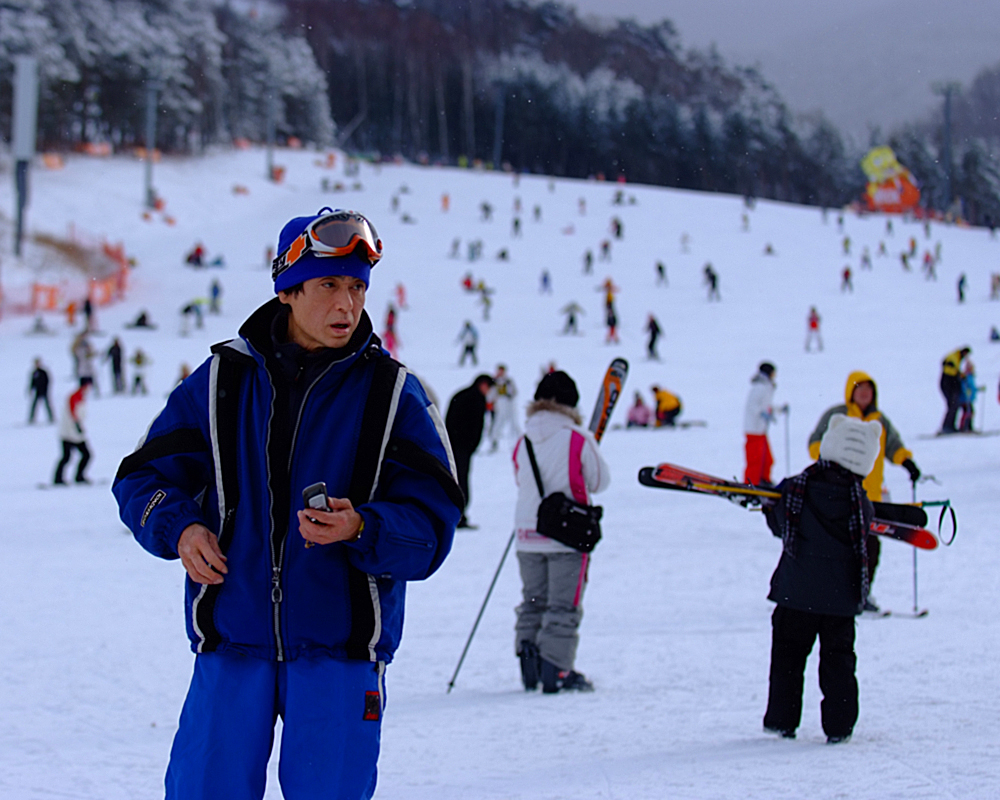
551, 405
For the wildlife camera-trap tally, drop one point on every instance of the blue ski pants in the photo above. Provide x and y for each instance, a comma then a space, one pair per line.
332, 715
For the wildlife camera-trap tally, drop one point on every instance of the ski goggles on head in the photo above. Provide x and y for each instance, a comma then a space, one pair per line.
337, 234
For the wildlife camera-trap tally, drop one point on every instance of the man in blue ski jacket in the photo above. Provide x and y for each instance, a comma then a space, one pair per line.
294, 611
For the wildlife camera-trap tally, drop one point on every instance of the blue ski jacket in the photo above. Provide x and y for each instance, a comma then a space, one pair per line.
221, 454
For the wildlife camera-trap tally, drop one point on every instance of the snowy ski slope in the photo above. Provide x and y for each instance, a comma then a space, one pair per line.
94, 662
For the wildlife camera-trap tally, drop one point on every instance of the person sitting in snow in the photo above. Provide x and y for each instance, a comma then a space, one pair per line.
639, 414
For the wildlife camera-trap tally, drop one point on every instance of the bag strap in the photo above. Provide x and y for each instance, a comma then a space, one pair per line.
534, 466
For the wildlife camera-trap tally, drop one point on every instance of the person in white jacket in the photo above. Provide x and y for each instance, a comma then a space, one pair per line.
553, 575
72, 435
758, 414
502, 396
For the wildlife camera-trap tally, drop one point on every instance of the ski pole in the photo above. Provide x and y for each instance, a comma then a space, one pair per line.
982, 417
916, 608
788, 451
479, 616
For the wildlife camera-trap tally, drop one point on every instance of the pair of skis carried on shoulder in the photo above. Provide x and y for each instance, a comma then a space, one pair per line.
903, 522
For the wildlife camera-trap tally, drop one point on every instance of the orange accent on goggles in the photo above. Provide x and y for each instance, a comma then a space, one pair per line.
332, 235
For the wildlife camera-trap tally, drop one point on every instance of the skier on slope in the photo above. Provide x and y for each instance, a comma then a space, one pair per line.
553, 575
860, 395
501, 396
468, 337
115, 355
821, 582
812, 329
83, 358
610, 292
72, 435
571, 310
968, 399
464, 421
39, 390
654, 331
845, 281
611, 320
951, 386
757, 415
712, 281
140, 361
390, 341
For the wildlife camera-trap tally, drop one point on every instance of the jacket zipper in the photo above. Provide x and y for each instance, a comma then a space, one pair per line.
278, 548
275, 557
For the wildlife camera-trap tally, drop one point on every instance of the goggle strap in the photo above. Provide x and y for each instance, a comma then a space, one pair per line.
299, 247
302, 244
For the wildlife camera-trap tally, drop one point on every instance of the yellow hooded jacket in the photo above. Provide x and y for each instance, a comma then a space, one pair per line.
891, 444
952, 363
666, 401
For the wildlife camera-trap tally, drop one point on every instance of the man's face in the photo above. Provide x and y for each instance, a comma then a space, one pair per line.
326, 312
863, 395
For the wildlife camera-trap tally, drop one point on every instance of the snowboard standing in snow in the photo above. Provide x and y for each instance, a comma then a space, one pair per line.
607, 398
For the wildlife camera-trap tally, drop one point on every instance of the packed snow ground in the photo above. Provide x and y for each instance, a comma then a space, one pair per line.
95, 664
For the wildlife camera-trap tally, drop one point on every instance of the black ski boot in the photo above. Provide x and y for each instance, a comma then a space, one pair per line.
530, 664
555, 680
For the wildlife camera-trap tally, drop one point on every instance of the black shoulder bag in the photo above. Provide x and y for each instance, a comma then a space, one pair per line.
573, 524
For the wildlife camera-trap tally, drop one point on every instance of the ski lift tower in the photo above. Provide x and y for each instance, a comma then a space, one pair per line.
25, 123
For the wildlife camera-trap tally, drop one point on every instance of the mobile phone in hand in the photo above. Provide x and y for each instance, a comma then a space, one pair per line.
314, 496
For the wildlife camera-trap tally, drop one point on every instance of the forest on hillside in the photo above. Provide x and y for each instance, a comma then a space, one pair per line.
501, 82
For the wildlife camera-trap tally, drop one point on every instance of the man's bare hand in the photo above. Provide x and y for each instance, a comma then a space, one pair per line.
199, 550
340, 524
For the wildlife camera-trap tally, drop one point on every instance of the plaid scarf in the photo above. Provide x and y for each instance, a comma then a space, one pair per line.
857, 525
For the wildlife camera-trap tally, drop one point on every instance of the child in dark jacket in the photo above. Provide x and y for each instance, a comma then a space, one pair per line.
821, 581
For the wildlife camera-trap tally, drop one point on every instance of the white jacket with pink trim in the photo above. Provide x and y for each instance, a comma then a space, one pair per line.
569, 461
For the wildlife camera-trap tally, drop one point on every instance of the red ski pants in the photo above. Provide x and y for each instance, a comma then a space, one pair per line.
759, 459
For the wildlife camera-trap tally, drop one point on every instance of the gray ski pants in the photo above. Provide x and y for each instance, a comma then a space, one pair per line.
552, 587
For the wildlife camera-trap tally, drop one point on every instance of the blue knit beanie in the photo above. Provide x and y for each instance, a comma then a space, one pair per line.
312, 266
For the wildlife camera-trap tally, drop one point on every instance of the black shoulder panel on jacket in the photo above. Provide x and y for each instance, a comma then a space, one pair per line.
374, 420
413, 456
234, 350
181, 440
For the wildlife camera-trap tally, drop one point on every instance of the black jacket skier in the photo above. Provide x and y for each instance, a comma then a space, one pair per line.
822, 574
821, 581
464, 422
39, 388
653, 328
114, 355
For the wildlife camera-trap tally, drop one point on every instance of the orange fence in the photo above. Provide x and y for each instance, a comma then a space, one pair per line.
55, 297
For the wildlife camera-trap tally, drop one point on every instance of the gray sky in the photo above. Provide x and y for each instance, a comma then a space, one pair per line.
862, 62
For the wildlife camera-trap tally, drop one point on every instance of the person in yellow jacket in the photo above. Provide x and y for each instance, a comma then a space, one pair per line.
668, 406
951, 386
860, 395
